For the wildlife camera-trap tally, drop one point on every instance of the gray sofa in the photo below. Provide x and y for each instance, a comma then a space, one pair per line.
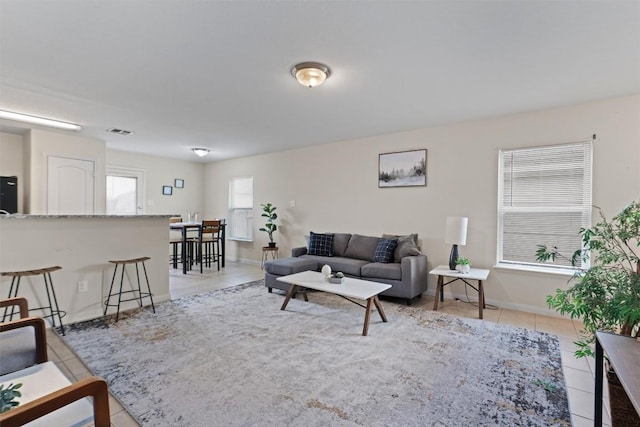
357, 256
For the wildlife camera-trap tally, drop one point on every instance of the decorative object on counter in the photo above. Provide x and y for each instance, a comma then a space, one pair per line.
326, 271
463, 265
8, 396
167, 190
402, 169
269, 212
455, 234
179, 183
336, 278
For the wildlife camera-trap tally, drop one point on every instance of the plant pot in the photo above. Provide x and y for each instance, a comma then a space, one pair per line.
272, 244
463, 268
623, 414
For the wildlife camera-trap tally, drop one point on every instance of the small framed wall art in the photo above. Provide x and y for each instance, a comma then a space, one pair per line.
167, 190
402, 169
179, 183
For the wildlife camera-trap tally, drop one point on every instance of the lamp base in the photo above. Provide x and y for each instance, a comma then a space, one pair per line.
453, 258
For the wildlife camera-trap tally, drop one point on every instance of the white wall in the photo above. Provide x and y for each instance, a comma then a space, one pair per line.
159, 171
334, 187
11, 162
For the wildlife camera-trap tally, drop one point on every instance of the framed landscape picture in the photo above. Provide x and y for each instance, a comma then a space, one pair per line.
402, 169
179, 183
167, 190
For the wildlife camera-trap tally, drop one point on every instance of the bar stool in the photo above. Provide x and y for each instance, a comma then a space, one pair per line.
119, 293
53, 307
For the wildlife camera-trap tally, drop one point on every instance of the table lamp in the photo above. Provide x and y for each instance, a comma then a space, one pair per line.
455, 234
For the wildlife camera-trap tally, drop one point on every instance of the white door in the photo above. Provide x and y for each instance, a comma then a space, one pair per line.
124, 191
70, 186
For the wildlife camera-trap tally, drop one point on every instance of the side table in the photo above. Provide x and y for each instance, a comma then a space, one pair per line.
477, 274
266, 250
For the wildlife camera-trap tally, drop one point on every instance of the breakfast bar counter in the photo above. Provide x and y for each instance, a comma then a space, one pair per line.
82, 245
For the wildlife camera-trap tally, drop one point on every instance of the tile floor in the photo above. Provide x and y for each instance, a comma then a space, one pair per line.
579, 373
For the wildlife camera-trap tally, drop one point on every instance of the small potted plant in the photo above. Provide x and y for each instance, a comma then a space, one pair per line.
336, 278
268, 212
8, 396
463, 265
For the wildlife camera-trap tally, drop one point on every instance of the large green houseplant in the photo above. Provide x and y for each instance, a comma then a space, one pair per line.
606, 296
269, 212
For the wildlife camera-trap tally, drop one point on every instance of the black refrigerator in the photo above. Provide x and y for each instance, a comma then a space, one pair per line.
9, 193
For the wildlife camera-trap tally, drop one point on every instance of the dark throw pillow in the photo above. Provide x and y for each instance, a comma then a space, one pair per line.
320, 244
385, 250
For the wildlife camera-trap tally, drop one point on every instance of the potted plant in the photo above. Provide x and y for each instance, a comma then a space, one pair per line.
605, 296
268, 211
463, 265
8, 396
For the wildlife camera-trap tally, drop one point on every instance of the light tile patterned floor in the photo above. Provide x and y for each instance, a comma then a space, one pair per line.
579, 373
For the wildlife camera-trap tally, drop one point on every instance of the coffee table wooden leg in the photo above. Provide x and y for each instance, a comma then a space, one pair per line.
367, 316
376, 301
292, 290
480, 297
438, 291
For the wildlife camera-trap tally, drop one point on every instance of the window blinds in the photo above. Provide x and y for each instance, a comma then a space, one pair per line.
544, 198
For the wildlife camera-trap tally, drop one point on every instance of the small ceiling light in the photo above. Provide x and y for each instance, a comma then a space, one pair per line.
310, 74
9, 115
201, 152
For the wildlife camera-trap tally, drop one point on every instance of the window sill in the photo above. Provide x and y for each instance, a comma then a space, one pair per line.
538, 269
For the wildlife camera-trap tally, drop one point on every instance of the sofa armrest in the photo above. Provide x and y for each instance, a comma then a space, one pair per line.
40, 334
295, 252
415, 272
94, 387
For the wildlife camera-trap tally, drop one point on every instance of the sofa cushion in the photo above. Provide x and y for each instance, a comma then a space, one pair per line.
348, 266
361, 247
378, 270
340, 241
385, 250
320, 244
407, 245
286, 266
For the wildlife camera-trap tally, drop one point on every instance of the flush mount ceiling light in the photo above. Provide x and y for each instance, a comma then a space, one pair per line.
201, 152
310, 74
9, 115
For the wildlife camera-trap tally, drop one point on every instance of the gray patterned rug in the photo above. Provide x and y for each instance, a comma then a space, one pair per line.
233, 358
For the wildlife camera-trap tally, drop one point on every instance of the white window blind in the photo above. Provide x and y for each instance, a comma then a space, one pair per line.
544, 198
241, 208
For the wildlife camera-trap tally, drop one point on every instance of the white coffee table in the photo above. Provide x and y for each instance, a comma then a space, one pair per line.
477, 274
350, 288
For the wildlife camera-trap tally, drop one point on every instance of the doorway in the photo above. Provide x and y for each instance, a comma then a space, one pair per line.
125, 191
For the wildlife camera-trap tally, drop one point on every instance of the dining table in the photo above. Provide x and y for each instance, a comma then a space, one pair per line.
185, 227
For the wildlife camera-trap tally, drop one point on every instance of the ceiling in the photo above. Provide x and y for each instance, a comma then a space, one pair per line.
215, 74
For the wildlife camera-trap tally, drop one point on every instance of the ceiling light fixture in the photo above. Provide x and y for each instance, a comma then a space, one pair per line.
201, 152
310, 74
9, 115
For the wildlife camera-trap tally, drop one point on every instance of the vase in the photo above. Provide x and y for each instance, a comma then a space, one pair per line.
326, 271
463, 268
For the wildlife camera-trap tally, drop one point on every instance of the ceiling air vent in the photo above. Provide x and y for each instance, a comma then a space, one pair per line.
120, 131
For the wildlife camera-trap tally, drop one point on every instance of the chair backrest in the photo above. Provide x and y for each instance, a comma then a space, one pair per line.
211, 228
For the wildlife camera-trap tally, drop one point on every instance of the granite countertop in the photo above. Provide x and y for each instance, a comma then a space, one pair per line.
26, 216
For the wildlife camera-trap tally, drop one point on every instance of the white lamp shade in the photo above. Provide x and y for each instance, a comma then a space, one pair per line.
456, 230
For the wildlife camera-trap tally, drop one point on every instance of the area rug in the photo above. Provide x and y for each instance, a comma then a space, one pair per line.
233, 358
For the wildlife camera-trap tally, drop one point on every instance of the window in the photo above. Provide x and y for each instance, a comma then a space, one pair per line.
544, 198
124, 191
241, 208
